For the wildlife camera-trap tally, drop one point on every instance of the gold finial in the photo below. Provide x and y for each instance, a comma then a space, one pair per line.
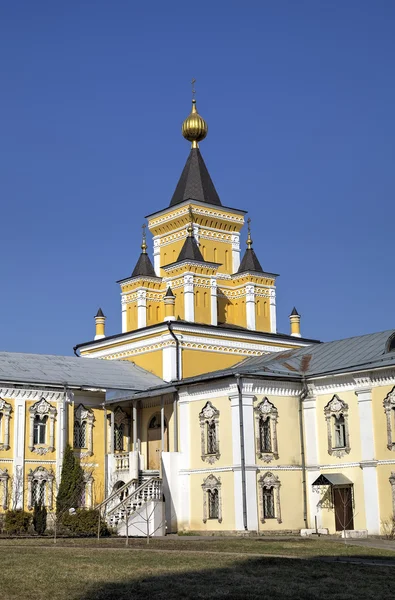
190, 226
144, 242
194, 128
249, 238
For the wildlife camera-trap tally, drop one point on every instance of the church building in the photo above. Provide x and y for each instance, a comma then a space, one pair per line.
199, 415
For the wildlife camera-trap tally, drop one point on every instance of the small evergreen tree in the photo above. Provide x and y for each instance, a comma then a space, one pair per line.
39, 518
71, 483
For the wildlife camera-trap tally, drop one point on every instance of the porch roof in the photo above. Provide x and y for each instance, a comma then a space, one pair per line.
332, 479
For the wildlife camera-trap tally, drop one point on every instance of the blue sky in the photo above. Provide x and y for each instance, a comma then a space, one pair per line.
299, 98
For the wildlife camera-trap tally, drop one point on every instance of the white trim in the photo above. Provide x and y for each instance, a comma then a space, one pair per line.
235, 251
250, 306
189, 299
184, 481
124, 317
157, 245
372, 507
19, 452
273, 317
214, 301
141, 309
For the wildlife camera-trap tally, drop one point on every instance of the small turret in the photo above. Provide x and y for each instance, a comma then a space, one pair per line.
100, 321
170, 303
294, 318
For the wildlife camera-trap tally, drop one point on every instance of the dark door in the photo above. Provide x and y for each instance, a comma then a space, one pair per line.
342, 500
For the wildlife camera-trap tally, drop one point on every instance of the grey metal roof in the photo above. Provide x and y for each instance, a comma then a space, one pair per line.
54, 370
190, 251
350, 354
195, 182
332, 479
250, 262
144, 266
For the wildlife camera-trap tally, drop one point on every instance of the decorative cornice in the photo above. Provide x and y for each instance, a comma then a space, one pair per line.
13, 393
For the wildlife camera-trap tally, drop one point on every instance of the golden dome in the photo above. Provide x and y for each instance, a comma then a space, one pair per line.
194, 128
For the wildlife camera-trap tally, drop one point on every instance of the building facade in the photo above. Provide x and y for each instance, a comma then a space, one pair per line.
199, 414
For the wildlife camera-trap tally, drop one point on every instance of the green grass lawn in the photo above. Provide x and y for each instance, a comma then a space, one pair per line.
188, 568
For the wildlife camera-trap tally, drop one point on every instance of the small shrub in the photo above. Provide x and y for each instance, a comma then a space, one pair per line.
84, 522
388, 528
17, 521
39, 518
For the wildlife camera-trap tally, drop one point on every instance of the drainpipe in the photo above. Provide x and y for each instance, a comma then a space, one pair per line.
242, 452
302, 452
177, 341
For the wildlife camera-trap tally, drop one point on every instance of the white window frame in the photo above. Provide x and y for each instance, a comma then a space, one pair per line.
266, 410
208, 416
269, 481
83, 415
4, 479
333, 410
210, 484
42, 409
5, 412
42, 476
389, 408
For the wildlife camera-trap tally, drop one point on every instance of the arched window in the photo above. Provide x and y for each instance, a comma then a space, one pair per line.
269, 486
266, 416
38, 492
39, 430
212, 503
389, 408
265, 440
118, 436
336, 416
79, 434
83, 429
209, 428
40, 487
5, 416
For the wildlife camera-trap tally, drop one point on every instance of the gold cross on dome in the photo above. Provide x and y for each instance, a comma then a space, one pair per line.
193, 88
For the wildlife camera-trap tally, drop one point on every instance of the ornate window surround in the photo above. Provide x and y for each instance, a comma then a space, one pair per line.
40, 474
333, 410
266, 410
269, 481
88, 480
389, 408
4, 478
120, 418
392, 482
211, 484
5, 410
42, 409
207, 416
85, 415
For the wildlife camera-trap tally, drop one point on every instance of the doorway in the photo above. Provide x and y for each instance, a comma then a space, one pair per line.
155, 443
344, 507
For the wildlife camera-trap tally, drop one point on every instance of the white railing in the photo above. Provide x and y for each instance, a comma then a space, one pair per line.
122, 462
132, 501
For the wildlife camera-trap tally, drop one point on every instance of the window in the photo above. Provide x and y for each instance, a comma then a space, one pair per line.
269, 486
212, 503
118, 437
268, 503
389, 408
340, 431
266, 416
42, 427
209, 433
83, 429
5, 416
265, 440
39, 430
40, 487
392, 483
336, 415
4, 478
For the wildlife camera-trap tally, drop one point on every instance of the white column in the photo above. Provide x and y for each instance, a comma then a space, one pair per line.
250, 306
157, 256
249, 457
368, 463
19, 454
141, 308
169, 359
184, 449
124, 314
213, 299
273, 318
235, 251
189, 299
312, 460
61, 433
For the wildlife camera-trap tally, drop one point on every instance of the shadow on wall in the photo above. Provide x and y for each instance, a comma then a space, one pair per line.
252, 579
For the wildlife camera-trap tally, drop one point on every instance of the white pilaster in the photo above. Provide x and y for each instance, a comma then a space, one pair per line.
273, 317
250, 306
17, 493
235, 251
157, 256
185, 450
213, 298
249, 458
61, 430
189, 299
124, 314
141, 308
368, 463
312, 460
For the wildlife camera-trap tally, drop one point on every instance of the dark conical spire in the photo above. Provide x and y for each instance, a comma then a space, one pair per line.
99, 313
169, 293
294, 312
250, 260
190, 250
144, 267
195, 182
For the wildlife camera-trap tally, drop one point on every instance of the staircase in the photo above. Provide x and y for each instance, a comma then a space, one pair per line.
136, 498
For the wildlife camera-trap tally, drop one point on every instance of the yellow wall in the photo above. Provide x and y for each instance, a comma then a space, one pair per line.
195, 362
151, 361
196, 500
